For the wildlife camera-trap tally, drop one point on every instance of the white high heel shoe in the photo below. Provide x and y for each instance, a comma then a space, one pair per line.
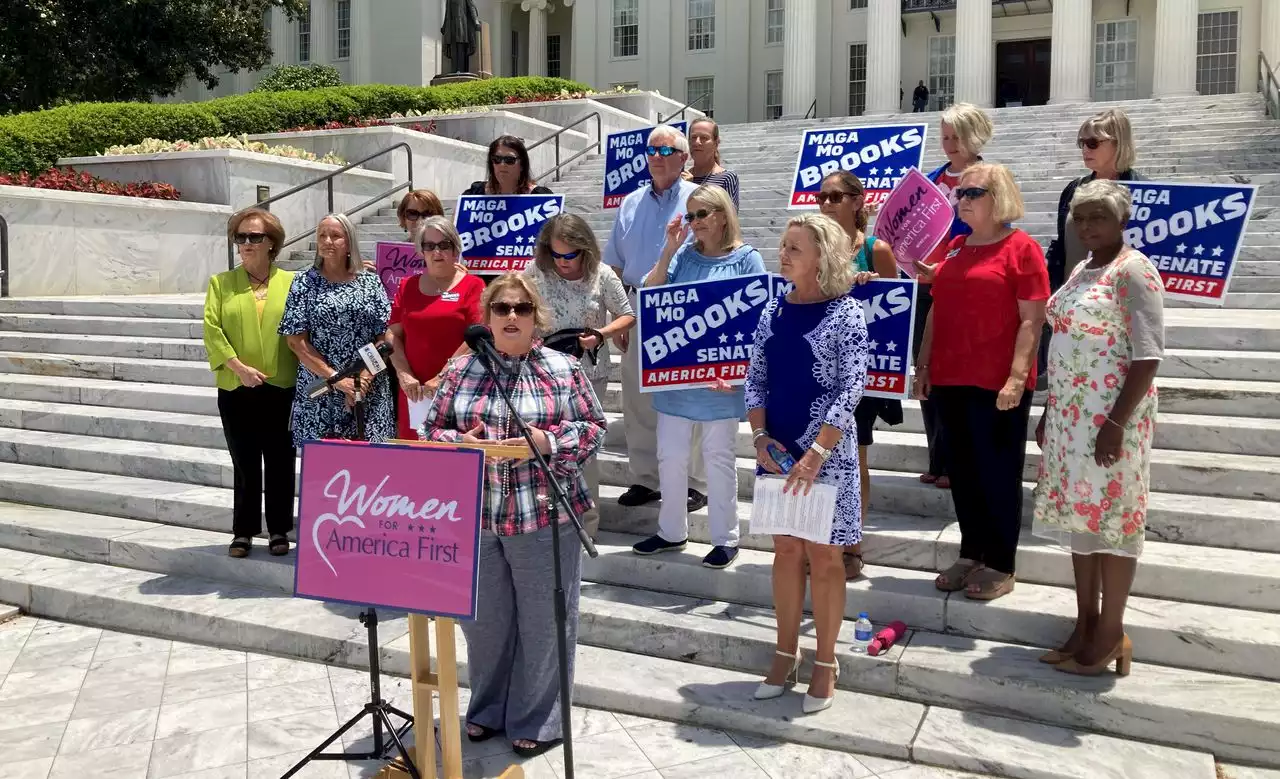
769, 691
814, 705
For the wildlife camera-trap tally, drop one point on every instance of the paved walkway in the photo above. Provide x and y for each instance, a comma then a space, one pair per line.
80, 702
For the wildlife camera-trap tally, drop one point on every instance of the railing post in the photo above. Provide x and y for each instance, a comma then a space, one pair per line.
329, 183
557, 158
4, 258
409, 152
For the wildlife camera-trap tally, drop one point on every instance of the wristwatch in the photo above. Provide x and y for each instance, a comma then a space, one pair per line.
821, 451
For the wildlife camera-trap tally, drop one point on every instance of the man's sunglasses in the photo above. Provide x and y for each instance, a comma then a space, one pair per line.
970, 193
835, 198
1090, 143
504, 159
693, 216
242, 238
503, 308
660, 151
444, 246
573, 255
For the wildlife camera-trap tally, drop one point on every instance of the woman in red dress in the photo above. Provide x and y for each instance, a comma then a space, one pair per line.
429, 317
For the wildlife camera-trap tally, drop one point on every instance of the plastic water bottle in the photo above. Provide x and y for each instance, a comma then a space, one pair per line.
782, 457
862, 633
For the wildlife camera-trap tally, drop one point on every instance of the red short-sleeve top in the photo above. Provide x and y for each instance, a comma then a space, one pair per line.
435, 324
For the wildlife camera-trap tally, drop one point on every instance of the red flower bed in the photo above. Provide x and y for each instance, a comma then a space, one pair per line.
70, 181
429, 127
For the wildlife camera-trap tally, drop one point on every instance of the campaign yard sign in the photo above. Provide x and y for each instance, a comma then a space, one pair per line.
499, 232
880, 155
626, 167
914, 220
694, 333
394, 261
1192, 232
395, 526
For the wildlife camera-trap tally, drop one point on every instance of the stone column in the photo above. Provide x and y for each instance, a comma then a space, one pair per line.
322, 32
799, 61
1175, 47
1271, 35
362, 41
582, 41
280, 28
975, 53
1071, 77
884, 57
537, 47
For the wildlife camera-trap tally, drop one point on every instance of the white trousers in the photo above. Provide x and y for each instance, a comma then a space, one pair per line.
676, 443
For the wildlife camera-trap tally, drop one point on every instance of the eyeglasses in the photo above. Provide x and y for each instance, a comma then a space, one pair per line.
970, 193
1091, 143
503, 308
660, 151
835, 198
431, 246
255, 238
413, 214
504, 159
701, 213
573, 255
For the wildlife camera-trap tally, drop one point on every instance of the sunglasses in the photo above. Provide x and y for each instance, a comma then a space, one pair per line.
701, 213
573, 255
413, 214
835, 198
660, 151
431, 246
504, 159
1090, 143
503, 308
255, 238
970, 193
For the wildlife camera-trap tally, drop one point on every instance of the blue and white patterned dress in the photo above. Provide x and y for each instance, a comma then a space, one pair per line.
809, 368
338, 319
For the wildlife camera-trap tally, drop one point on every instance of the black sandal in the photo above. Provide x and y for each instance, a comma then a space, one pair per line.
279, 545
538, 748
240, 546
484, 735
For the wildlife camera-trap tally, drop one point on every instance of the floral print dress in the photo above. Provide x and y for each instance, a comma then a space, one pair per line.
1103, 319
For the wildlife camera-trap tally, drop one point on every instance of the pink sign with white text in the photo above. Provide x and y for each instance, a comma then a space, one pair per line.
390, 525
914, 219
396, 260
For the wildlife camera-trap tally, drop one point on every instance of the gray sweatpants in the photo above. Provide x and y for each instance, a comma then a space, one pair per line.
511, 645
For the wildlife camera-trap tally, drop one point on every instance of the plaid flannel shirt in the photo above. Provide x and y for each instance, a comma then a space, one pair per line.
553, 394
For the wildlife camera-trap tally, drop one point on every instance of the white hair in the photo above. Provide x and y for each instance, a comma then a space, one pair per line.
1111, 195
354, 262
678, 139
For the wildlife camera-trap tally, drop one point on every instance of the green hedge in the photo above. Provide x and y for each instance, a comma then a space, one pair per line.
34, 141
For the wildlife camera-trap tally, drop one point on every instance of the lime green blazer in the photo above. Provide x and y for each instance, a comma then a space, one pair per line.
232, 329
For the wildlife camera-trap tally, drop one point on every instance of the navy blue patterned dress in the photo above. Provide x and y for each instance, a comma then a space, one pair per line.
808, 368
338, 319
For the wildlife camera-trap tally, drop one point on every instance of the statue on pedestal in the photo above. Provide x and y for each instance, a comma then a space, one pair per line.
460, 33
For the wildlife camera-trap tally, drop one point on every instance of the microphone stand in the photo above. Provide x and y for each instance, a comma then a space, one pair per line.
488, 358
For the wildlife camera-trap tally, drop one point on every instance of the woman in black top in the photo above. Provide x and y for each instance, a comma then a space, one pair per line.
509, 170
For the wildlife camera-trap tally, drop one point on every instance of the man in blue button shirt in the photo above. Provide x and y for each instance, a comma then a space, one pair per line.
639, 233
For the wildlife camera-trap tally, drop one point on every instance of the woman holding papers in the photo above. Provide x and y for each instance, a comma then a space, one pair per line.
429, 316
807, 374
511, 645
716, 252
1095, 435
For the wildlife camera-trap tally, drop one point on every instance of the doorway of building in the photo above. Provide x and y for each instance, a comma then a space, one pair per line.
1022, 72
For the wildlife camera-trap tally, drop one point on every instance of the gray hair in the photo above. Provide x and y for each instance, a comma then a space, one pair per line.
971, 124
1114, 196
1113, 125
835, 252
355, 263
665, 130
440, 224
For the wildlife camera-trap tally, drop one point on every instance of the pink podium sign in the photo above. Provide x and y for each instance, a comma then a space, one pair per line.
914, 219
395, 261
389, 525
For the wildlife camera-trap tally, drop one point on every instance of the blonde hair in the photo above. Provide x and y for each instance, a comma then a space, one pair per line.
541, 315
274, 231
1003, 189
573, 230
442, 225
355, 263
835, 252
1113, 196
717, 199
1113, 125
971, 124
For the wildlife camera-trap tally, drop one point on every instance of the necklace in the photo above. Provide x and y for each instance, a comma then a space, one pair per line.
504, 420
258, 285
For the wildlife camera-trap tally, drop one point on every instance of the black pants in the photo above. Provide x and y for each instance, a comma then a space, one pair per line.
986, 451
933, 431
256, 423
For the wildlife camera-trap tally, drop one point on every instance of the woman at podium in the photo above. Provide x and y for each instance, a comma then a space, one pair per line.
511, 645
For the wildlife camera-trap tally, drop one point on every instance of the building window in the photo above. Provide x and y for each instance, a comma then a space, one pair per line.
856, 4
342, 25
696, 88
776, 18
857, 79
626, 28
515, 53
702, 25
304, 37
1115, 60
942, 71
553, 56
1217, 52
773, 94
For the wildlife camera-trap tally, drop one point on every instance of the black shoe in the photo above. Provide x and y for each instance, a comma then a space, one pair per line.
720, 557
638, 495
696, 500
656, 544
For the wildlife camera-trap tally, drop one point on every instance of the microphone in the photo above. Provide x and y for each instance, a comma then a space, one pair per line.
886, 638
368, 356
479, 339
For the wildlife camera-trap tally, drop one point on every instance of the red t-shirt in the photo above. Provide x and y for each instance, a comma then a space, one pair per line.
433, 329
975, 309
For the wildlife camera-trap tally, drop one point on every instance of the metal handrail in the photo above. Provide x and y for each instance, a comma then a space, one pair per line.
328, 180
683, 108
555, 136
813, 109
1266, 83
4, 258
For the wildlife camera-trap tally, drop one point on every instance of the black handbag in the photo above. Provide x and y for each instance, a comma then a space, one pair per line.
566, 341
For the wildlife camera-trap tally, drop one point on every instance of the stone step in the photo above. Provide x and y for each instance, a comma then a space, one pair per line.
134, 327
160, 306
131, 369
110, 394
187, 349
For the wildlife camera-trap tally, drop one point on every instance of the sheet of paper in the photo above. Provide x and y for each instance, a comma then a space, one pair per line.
803, 516
418, 412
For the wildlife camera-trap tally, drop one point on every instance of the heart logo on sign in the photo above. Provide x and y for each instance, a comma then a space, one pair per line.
315, 533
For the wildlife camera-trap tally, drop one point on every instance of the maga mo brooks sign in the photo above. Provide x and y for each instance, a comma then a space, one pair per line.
880, 155
499, 231
626, 168
1192, 232
692, 334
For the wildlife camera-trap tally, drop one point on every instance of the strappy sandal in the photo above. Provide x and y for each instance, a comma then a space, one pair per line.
990, 583
240, 546
957, 576
279, 545
482, 733
853, 571
538, 747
